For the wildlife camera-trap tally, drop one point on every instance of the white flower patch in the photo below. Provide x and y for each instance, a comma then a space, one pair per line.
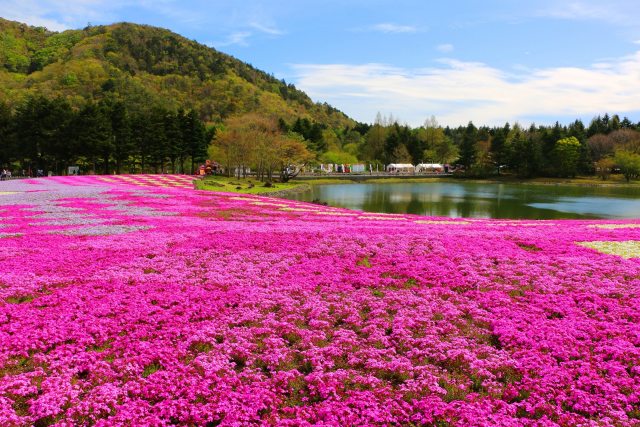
7, 235
335, 213
98, 230
420, 221
383, 218
297, 209
625, 249
614, 226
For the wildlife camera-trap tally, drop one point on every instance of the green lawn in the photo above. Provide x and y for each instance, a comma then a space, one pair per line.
242, 185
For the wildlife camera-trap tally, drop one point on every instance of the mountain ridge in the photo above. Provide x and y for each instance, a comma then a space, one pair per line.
144, 66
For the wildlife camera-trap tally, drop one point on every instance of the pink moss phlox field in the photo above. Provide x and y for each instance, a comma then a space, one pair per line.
140, 301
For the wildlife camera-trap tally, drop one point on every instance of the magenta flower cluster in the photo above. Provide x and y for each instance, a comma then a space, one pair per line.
138, 301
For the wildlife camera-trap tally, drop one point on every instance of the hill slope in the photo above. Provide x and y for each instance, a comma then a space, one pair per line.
144, 66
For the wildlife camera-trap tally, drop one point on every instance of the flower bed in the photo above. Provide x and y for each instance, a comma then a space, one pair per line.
137, 298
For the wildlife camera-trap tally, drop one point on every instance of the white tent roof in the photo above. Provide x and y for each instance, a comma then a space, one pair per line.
400, 165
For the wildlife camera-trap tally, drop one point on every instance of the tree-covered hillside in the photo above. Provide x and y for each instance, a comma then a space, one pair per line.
144, 67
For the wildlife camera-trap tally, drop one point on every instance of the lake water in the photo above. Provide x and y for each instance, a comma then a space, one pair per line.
473, 200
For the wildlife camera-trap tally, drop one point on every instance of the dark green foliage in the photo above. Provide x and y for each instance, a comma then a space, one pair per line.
92, 132
40, 131
151, 368
468, 146
526, 157
312, 132
605, 125
102, 137
499, 148
6, 143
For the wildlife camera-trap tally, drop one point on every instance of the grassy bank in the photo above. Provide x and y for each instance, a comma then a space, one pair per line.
244, 185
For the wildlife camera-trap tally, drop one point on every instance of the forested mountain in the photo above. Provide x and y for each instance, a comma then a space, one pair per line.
144, 66
135, 98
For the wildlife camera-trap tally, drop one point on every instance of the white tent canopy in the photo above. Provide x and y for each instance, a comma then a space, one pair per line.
429, 167
400, 167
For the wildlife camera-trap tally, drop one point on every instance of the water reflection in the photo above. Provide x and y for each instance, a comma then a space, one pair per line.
472, 200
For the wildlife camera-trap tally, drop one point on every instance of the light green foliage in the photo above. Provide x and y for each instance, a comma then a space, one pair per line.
629, 164
439, 147
604, 167
145, 67
566, 155
331, 139
446, 151
351, 148
401, 154
338, 157
13, 53
373, 148
55, 48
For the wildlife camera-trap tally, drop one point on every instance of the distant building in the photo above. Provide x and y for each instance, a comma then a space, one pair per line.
429, 168
400, 168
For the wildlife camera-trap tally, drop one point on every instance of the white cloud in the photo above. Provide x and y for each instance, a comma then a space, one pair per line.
237, 38
388, 27
620, 12
37, 21
458, 91
445, 48
29, 12
271, 30
241, 38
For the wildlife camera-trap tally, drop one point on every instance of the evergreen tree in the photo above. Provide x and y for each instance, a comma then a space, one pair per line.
548, 138
498, 146
157, 140
92, 131
597, 125
468, 146
391, 142
173, 134
121, 132
195, 137
7, 151
626, 123
40, 131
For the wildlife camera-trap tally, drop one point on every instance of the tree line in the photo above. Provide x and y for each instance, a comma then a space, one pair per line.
101, 137
607, 144
108, 136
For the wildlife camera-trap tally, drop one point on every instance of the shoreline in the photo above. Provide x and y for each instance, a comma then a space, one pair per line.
288, 191
578, 182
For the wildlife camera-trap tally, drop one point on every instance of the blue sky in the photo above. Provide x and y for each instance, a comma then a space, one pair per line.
487, 61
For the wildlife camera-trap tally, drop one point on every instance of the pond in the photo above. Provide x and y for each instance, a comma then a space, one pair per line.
482, 200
